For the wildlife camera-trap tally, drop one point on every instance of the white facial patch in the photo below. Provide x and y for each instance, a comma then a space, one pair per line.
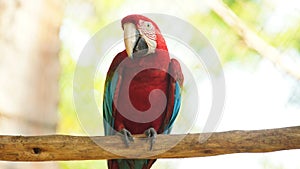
147, 31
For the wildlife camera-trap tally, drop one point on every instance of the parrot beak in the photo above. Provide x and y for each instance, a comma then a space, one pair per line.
135, 44
130, 38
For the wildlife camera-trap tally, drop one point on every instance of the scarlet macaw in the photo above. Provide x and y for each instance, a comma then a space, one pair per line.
143, 66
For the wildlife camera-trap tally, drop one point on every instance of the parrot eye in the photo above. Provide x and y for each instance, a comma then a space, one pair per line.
146, 25
147, 29
149, 25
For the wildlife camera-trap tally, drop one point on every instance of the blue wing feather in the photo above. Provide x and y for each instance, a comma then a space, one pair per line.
109, 92
176, 108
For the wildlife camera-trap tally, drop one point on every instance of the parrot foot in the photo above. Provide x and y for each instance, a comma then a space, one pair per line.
151, 136
127, 136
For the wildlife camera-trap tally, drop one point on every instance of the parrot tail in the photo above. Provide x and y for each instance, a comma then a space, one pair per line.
130, 164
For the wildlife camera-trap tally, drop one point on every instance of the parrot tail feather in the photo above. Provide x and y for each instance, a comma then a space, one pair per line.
130, 164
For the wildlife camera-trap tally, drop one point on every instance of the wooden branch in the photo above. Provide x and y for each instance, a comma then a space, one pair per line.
252, 39
63, 147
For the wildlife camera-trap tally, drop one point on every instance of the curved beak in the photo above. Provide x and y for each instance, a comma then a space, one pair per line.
130, 38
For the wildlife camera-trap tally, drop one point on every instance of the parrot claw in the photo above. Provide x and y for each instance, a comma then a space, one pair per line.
151, 136
127, 136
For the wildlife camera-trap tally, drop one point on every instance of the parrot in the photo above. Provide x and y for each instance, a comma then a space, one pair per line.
142, 90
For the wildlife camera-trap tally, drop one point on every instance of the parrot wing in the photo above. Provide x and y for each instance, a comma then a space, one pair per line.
112, 85
174, 96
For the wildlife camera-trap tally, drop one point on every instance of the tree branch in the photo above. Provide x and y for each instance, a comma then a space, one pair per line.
252, 39
63, 147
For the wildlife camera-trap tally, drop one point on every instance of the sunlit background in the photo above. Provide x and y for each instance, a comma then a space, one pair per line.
259, 94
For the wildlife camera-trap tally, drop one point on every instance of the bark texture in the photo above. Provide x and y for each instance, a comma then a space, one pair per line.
63, 147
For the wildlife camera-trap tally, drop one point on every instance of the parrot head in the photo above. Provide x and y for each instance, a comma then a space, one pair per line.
141, 36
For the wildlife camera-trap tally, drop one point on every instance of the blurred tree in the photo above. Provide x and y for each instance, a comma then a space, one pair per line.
29, 70
252, 40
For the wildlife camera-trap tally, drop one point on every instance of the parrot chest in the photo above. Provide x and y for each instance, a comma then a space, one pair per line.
144, 84
142, 98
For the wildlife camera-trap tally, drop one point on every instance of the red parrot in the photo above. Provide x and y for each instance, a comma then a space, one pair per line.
142, 92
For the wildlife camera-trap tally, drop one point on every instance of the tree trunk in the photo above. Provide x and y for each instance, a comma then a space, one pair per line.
29, 69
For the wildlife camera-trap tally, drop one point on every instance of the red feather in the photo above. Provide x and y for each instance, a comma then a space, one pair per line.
139, 89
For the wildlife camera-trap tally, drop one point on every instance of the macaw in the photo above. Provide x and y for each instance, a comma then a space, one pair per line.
132, 104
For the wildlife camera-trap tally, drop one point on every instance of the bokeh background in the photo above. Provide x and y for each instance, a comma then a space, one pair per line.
259, 50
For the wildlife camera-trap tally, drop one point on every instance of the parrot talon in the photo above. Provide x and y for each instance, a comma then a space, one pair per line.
126, 136
151, 136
